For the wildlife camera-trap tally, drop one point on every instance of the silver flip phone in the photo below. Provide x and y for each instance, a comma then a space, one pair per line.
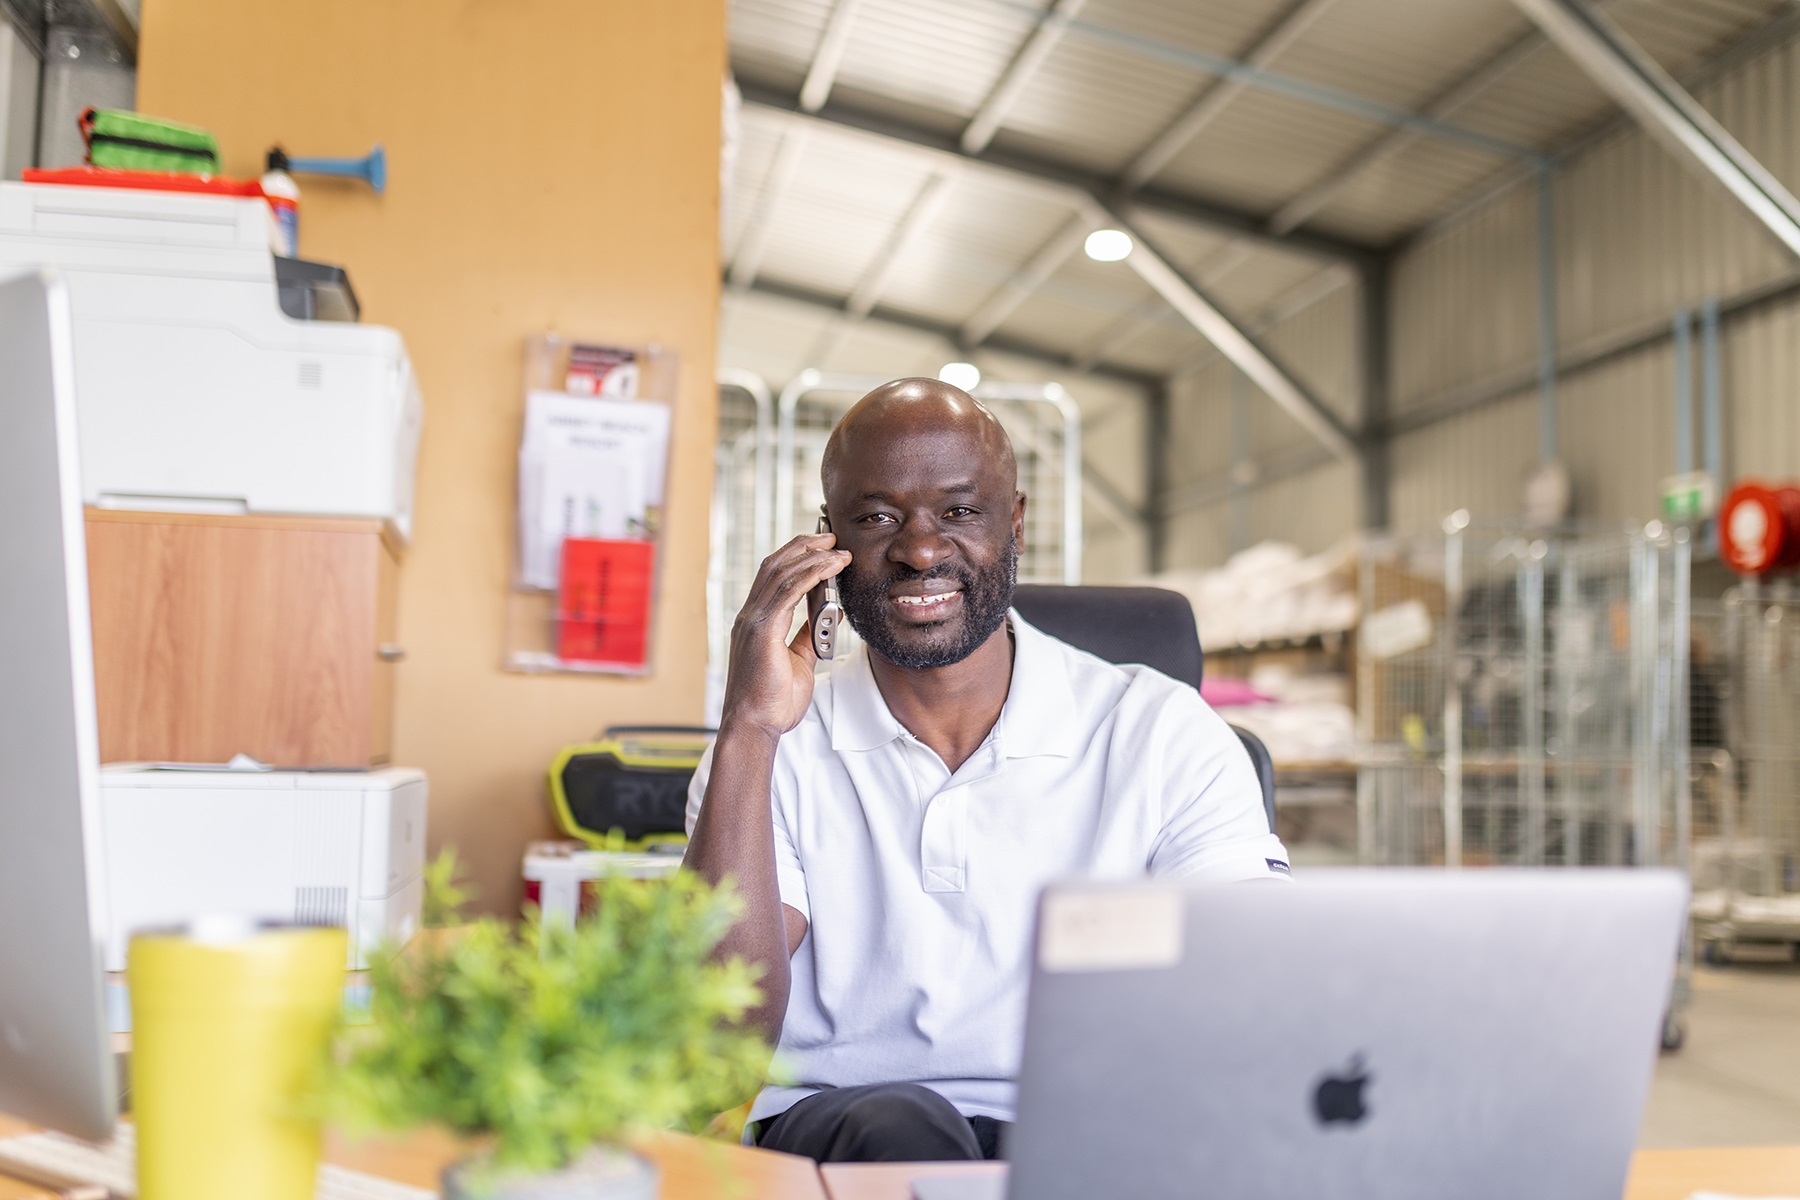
825, 620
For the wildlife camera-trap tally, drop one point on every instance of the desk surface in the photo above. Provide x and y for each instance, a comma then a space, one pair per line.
1655, 1174
692, 1168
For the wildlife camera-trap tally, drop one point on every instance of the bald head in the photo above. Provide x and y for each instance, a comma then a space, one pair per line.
911, 410
922, 490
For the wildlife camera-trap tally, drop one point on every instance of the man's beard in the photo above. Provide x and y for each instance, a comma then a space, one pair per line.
985, 598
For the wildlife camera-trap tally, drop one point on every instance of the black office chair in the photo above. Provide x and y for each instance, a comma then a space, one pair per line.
1147, 625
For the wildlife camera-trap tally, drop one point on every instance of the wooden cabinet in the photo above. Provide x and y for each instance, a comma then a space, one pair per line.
221, 635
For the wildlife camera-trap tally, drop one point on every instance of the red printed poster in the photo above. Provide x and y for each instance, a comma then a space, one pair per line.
604, 601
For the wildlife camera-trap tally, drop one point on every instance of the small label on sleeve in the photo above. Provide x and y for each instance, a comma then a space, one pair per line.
1111, 929
1278, 867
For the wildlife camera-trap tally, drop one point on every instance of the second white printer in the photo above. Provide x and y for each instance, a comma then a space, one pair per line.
313, 848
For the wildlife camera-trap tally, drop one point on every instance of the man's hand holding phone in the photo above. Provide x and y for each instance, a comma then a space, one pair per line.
767, 690
823, 612
770, 679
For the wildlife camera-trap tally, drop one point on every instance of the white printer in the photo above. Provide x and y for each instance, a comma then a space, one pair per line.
313, 847
194, 389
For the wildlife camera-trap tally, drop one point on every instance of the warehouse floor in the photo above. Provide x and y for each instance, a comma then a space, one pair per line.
1737, 1080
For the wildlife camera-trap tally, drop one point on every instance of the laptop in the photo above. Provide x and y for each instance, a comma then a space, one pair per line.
1356, 1034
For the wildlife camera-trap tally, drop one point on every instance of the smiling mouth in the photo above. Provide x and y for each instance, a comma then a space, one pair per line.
933, 603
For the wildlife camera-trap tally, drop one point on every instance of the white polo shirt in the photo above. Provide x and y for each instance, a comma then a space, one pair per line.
920, 887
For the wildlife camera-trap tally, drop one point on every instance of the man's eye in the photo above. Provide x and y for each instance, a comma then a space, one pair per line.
961, 510
874, 518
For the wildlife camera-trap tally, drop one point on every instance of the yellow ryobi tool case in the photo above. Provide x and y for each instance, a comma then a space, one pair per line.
628, 789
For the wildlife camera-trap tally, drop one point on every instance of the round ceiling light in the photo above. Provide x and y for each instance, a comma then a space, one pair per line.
960, 375
1108, 245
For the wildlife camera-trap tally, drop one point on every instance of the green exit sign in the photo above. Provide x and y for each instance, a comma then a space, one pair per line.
1687, 498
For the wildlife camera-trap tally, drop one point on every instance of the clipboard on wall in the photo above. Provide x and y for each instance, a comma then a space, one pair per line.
593, 467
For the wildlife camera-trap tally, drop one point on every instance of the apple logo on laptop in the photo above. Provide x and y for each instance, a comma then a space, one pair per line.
1339, 1098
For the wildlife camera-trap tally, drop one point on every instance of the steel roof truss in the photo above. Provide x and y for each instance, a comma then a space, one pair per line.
1028, 278
1241, 347
1291, 303
1287, 29
1386, 145
829, 56
1019, 74
755, 243
999, 343
1666, 111
919, 215
1075, 185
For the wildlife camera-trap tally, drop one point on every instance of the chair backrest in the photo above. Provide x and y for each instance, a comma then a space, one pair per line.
1147, 625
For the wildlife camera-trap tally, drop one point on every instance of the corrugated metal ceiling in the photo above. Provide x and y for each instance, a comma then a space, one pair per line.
1119, 75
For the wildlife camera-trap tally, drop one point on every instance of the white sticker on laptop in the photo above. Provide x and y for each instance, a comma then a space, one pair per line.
1110, 929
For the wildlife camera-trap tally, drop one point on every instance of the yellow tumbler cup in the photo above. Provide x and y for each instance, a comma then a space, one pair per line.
229, 1028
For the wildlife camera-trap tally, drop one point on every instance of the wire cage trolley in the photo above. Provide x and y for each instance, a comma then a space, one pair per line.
1746, 720
740, 521
1522, 700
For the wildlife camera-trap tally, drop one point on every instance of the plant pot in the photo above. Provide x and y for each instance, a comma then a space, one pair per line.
603, 1173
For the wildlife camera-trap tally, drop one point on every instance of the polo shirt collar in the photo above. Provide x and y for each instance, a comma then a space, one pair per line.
1038, 717
860, 719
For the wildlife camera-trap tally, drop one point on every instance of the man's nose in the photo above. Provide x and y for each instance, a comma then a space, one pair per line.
920, 544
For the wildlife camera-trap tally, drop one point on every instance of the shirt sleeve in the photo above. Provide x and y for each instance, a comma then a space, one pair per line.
1214, 825
790, 880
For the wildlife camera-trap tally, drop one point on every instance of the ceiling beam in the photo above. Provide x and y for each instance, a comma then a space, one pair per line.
1072, 183
1385, 146
746, 261
1118, 333
1666, 111
1776, 32
1017, 347
1053, 253
1286, 29
1241, 347
1028, 278
1018, 74
829, 56
1294, 88
1121, 333
919, 215
880, 272
1291, 303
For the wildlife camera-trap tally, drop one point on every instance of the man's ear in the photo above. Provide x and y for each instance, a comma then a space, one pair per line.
1019, 517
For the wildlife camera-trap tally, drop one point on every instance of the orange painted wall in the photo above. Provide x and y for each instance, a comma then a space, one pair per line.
554, 165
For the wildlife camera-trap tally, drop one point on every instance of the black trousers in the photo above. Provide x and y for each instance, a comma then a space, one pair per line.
882, 1122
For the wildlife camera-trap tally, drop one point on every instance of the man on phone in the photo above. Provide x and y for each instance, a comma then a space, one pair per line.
889, 827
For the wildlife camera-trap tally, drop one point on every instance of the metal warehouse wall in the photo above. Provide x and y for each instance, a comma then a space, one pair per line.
1302, 496
1637, 236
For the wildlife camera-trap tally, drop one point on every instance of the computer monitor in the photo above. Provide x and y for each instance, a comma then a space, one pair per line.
56, 1064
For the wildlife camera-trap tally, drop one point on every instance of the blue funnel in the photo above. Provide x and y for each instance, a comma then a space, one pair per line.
371, 169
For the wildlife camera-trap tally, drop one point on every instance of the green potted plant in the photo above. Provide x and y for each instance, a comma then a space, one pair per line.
552, 1047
